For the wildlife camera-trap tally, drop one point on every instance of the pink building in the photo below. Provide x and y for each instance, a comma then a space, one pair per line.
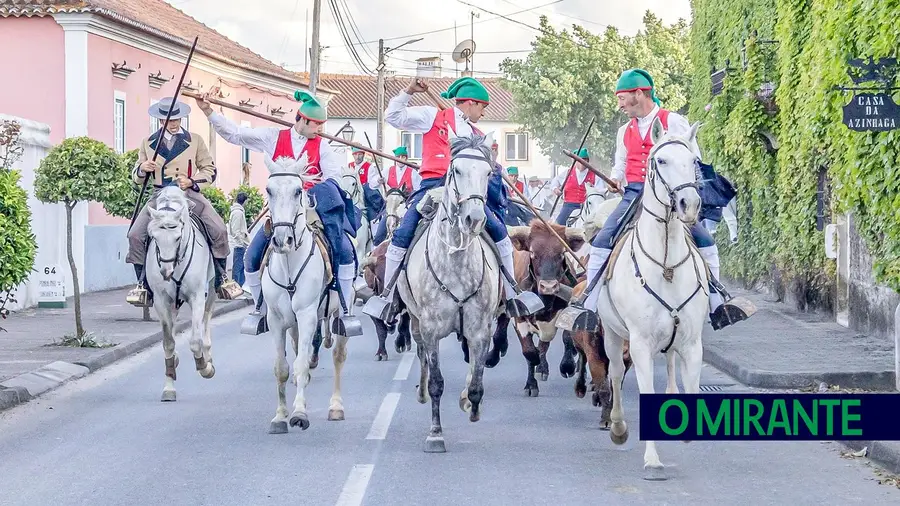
93, 67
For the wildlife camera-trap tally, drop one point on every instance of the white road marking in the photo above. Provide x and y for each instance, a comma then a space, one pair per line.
385, 414
355, 487
404, 366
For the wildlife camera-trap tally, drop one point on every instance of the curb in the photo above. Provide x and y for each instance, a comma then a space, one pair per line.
23, 388
885, 453
872, 380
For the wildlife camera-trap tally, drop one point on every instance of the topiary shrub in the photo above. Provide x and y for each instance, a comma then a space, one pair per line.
254, 203
121, 203
218, 200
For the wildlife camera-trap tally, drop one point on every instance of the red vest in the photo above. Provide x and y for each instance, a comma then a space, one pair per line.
638, 150
284, 147
574, 193
436, 145
520, 186
405, 181
363, 172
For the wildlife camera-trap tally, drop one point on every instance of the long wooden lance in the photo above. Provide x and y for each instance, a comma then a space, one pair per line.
591, 168
569, 173
159, 142
286, 123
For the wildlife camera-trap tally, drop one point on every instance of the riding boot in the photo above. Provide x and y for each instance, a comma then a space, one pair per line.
255, 323
346, 275
724, 310
140, 296
226, 288
382, 307
582, 312
518, 303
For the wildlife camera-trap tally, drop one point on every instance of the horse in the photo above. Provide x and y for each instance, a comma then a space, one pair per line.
651, 303
353, 186
180, 270
452, 280
294, 287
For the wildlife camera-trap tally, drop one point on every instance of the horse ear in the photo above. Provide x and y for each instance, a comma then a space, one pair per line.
271, 165
657, 131
154, 214
692, 136
489, 139
301, 163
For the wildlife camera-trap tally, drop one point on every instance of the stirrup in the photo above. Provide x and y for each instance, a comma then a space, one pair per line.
347, 325
734, 310
380, 307
524, 304
577, 318
255, 324
229, 290
139, 297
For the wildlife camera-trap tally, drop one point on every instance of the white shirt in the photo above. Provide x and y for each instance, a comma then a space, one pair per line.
678, 125
420, 118
560, 179
263, 140
375, 180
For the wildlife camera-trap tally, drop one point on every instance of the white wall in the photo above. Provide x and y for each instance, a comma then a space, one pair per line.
48, 221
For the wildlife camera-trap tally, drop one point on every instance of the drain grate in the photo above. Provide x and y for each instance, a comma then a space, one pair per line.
713, 388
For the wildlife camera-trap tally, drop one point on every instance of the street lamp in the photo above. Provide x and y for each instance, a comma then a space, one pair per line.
347, 133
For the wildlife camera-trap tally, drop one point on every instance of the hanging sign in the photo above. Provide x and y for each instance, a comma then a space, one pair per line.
872, 112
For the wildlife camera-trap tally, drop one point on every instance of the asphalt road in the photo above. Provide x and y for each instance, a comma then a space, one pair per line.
107, 440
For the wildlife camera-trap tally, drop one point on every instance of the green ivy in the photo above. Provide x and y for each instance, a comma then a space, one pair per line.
777, 193
218, 200
254, 203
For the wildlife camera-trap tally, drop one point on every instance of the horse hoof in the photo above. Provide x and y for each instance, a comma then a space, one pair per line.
300, 420
328, 342
278, 427
314, 362
655, 473
335, 415
435, 444
464, 404
605, 424
381, 356
209, 372
618, 439
168, 396
544, 376
531, 391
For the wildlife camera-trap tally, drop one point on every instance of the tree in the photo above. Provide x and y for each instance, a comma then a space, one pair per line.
254, 203
79, 169
17, 243
218, 200
121, 204
570, 78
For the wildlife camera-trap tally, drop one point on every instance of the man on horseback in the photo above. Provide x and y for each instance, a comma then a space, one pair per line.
571, 186
189, 165
637, 98
471, 98
372, 198
334, 208
401, 177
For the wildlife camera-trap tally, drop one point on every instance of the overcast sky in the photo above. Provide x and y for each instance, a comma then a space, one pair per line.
277, 29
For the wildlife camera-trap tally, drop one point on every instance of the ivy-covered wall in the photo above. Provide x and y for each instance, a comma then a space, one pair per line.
801, 47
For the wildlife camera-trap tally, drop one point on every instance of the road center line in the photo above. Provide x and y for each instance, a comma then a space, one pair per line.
355, 487
404, 366
385, 414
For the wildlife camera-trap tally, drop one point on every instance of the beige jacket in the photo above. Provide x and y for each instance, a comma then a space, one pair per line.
237, 227
189, 157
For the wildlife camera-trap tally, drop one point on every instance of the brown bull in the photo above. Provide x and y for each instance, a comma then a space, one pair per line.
541, 267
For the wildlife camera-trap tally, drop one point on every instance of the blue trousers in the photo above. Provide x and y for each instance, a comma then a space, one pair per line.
380, 231
604, 238
404, 234
374, 202
567, 209
237, 265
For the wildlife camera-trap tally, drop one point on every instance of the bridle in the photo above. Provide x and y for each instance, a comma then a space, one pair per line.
393, 217
655, 173
453, 211
179, 254
291, 287
291, 224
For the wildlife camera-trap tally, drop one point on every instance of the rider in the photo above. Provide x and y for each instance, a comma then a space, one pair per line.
184, 160
372, 198
637, 98
336, 211
514, 177
399, 176
471, 98
572, 187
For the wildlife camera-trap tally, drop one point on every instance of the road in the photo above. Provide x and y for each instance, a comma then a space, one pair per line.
107, 440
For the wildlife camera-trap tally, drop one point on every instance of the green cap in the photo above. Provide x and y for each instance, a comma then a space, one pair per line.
512, 170
310, 107
637, 79
583, 154
354, 149
400, 151
467, 88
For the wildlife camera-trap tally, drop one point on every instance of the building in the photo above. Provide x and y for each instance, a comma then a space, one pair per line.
93, 67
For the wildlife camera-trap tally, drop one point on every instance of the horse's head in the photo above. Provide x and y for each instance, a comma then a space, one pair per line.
674, 173
594, 196
287, 207
467, 181
394, 208
167, 225
351, 184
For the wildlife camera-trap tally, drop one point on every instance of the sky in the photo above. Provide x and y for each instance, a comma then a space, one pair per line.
280, 30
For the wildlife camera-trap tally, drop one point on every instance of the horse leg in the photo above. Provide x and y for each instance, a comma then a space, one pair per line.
581, 377
671, 385
307, 321
529, 351
434, 443
567, 364
279, 424
544, 346
403, 342
691, 366
643, 366
599, 365
339, 356
168, 342
207, 328
422, 389
499, 341
198, 316
470, 398
316, 344
618, 429
381, 331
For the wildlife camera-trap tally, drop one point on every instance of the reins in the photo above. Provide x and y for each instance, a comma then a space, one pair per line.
179, 255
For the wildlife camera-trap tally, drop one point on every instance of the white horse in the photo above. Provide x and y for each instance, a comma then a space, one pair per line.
394, 210
353, 186
452, 281
293, 287
180, 269
658, 257
598, 205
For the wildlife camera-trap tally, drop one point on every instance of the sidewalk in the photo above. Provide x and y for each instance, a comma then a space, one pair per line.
780, 348
30, 364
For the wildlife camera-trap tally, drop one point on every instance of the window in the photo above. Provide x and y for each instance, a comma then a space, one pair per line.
413, 143
186, 123
119, 118
154, 122
245, 153
517, 146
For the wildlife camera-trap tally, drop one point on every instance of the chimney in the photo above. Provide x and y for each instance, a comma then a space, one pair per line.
428, 67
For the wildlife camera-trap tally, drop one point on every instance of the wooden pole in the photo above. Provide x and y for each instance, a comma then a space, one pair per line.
591, 168
569, 173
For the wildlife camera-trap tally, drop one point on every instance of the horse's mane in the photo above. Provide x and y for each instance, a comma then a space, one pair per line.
299, 166
475, 141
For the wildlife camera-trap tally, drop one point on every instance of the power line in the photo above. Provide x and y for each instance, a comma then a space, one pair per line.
526, 25
566, 16
345, 34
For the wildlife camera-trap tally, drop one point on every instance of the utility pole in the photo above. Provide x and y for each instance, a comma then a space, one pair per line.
314, 65
306, 43
472, 37
379, 87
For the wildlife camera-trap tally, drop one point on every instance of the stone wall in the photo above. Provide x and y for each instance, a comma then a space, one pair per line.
871, 305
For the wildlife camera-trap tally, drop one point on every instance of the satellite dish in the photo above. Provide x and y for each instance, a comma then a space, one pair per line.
464, 51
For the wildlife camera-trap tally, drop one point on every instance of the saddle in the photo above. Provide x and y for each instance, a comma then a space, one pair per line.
315, 226
427, 207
